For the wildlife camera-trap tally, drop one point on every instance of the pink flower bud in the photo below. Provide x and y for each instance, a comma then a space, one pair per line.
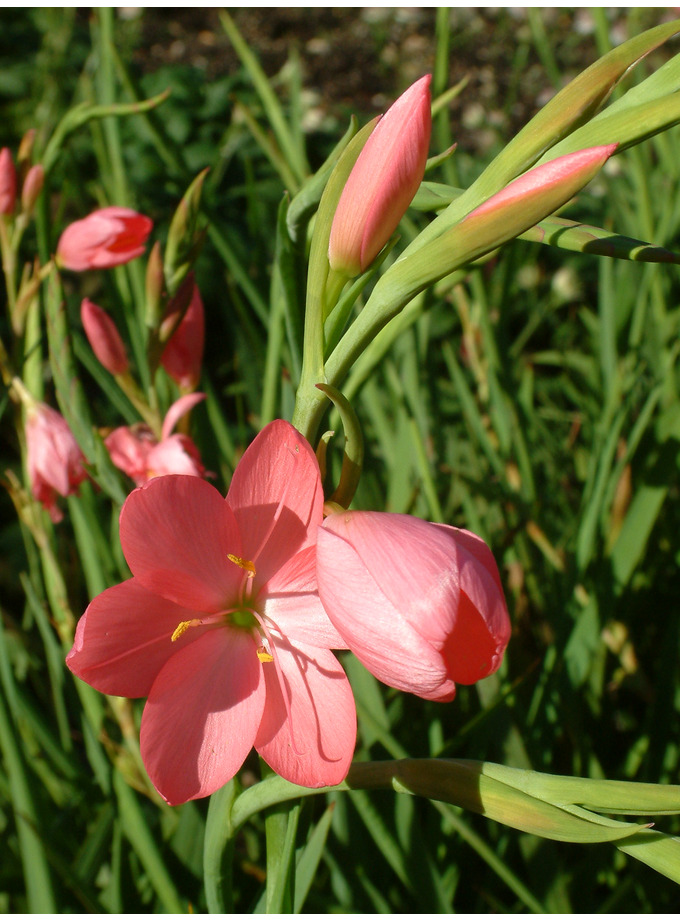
104, 239
8, 182
383, 182
32, 187
155, 286
104, 338
420, 604
55, 462
183, 355
26, 145
568, 172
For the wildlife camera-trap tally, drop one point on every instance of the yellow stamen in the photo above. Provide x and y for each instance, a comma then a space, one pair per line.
243, 564
182, 628
264, 655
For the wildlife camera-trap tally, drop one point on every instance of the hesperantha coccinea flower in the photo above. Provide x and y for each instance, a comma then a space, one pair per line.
135, 450
420, 604
104, 239
221, 626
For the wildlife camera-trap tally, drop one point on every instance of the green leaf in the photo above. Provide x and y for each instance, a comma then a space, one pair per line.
577, 237
611, 796
281, 826
635, 531
288, 142
306, 201
310, 856
142, 841
625, 127
39, 893
218, 849
353, 457
465, 783
184, 237
81, 114
656, 850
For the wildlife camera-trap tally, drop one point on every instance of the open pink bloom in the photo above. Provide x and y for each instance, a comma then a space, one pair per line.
183, 355
103, 337
420, 604
382, 183
103, 239
55, 462
222, 628
136, 452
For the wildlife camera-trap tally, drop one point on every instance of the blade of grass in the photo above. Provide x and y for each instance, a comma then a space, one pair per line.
37, 881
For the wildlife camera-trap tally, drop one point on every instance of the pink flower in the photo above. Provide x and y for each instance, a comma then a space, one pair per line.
383, 181
136, 452
8, 182
104, 338
420, 604
222, 628
55, 462
183, 355
103, 239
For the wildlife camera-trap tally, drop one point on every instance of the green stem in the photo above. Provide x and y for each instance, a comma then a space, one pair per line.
218, 850
310, 402
148, 412
39, 894
8, 263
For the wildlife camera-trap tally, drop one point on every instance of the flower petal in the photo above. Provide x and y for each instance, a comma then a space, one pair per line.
129, 449
179, 408
291, 603
176, 532
125, 637
202, 715
314, 746
481, 631
382, 603
277, 498
176, 454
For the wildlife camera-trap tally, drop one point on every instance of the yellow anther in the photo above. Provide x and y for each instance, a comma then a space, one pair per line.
264, 655
243, 564
182, 628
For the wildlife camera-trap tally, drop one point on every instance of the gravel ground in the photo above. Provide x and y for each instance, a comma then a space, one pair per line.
359, 59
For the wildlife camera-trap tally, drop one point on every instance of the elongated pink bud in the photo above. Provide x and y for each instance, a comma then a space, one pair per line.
183, 355
383, 182
103, 239
104, 338
570, 171
32, 187
8, 182
55, 462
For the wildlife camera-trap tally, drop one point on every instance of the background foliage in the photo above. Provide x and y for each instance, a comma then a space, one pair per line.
536, 404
